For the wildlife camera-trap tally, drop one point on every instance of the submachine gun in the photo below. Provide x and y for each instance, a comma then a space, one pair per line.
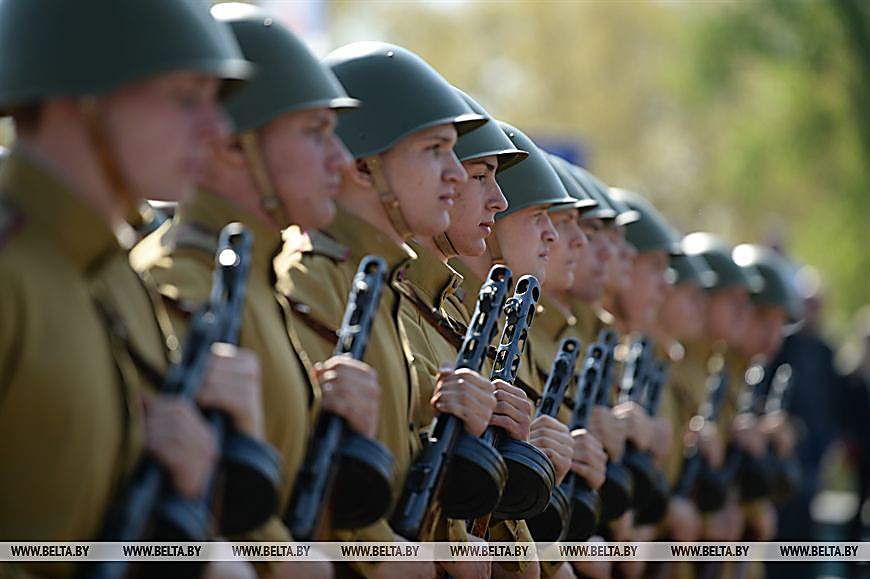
575, 510
351, 474
245, 492
656, 505
617, 492
457, 474
693, 461
531, 474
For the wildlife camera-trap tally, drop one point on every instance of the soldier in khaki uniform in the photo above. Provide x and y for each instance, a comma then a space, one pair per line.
401, 184
281, 167
83, 344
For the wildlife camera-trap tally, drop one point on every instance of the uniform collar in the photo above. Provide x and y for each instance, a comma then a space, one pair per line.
361, 239
199, 221
550, 321
471, 284
427, 274
63, 218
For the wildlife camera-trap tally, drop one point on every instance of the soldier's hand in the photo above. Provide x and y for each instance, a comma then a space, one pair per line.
662, 438
180, 439
710, 444
609, 429
554, 439
589, 459
747, 435
469, 569
683, 520
780, 432
350, 389
513, 410
638, 426
725, 525
232, 384
467, 395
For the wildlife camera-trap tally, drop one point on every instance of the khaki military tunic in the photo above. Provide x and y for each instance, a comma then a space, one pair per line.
180, 258
70, 411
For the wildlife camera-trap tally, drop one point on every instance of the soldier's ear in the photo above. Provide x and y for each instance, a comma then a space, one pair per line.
360, 174
230, 151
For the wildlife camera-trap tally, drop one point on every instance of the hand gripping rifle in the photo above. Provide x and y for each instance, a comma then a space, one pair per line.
582, 506
531, 475
708, 412
784, 472
248, 491
713, 484
617, 492
456, 474
345, 473
551, 525
657, 504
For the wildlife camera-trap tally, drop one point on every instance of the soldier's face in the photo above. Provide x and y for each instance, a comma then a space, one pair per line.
643, 296
162, 131
683, 311
565, 251
727, 314
478, 199
305, 160
424, 173
770, 320
525, 238
619, 266
590, 272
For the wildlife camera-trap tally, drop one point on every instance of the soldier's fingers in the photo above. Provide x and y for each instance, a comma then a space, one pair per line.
513, 428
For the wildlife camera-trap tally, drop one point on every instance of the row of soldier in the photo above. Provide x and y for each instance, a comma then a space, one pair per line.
119, 328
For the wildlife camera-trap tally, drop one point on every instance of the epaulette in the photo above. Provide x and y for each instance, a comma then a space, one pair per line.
11, 220
322, 244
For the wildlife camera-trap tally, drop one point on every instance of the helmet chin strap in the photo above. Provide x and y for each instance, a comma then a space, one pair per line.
269, 201
494, 249
110, 165
388, 197
445, 246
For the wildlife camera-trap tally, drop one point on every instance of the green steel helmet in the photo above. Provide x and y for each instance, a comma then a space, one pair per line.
717, 253
583, 200
608, 209
401, 93
778, 277
62, 48
288, 76
651, 232
532, 182
691, 269
486, 141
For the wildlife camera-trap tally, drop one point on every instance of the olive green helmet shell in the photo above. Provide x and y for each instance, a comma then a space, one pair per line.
486, 141
608, 208
717, 253
401, 93
62, 48
778, 278
691, 269
532, 182
288, 76
583, 200
651, 232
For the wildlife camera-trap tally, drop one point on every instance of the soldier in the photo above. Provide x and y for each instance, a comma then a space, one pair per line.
728, 311
281, 167
402, 183
532, 188
97, 133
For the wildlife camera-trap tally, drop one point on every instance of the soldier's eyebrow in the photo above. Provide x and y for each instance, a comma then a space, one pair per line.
489, 166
